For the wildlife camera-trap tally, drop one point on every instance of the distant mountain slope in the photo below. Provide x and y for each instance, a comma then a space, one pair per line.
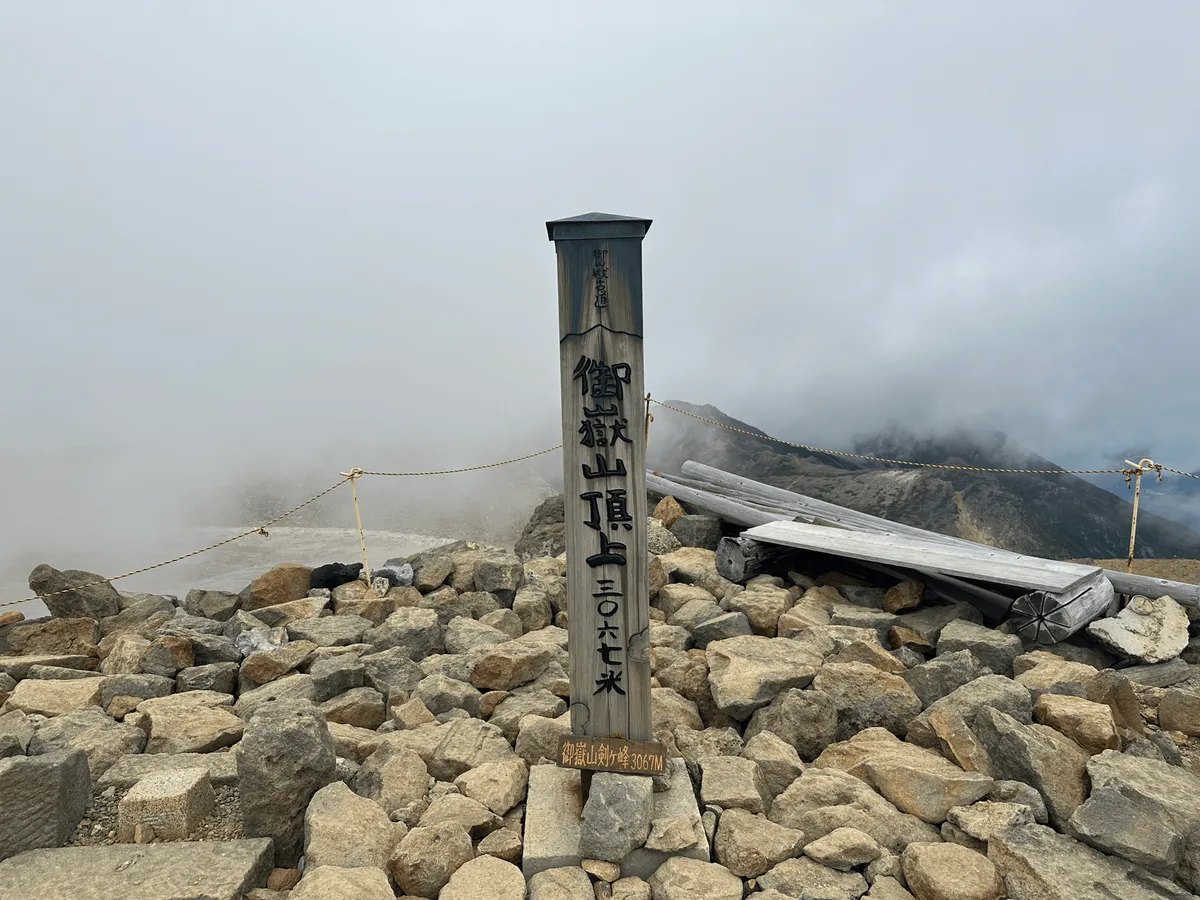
1057, 516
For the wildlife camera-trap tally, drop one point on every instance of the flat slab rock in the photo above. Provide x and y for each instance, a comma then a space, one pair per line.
170, 871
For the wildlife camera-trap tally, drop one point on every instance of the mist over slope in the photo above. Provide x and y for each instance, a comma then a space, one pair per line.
1058, 516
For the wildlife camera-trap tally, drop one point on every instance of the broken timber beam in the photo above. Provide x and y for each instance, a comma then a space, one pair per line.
1047, 618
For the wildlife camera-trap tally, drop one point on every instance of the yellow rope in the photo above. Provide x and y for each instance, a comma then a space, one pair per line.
472, 468
899, 462
261, 529
1177, 472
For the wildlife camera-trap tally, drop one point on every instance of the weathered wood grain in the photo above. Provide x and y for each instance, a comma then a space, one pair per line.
604, 475
903, 550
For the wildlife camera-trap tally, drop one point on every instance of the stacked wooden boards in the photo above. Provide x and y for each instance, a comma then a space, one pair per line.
1046, 600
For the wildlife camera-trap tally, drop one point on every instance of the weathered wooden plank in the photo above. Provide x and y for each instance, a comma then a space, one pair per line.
604, 473
747, 490
1020, 571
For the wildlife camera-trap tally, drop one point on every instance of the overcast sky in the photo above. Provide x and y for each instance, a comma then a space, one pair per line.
297, 237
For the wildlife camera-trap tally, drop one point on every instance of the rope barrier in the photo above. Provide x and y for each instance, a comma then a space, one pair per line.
261, 529
899, 462
350, 476
471, 468
356, 473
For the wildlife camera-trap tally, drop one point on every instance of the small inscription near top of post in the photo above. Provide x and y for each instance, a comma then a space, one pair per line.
612, 754
600, 273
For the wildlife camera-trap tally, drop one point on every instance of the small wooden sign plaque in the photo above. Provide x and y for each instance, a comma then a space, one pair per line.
612, 754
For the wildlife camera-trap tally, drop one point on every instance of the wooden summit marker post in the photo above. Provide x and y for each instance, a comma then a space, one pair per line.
604, 475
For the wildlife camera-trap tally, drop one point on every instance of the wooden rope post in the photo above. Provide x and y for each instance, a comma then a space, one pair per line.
1138, 468
354, 475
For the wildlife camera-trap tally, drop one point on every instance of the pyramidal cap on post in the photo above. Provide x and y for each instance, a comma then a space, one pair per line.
604, 475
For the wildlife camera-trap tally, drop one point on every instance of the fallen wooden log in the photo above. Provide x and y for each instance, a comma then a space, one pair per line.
1047, 618
740, 559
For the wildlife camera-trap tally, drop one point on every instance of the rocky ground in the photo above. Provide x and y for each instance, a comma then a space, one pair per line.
316, 736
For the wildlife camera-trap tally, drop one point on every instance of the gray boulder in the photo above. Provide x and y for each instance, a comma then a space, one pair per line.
285, 756
71, 593
44, 797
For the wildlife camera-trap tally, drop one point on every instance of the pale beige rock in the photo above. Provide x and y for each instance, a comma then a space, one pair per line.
668, 511
353, 743
51, 697
870, 653
1151, 631
601, 870
1052, 674
165, 806
1089, 724
485, 876
125, 657
747, 672
453, 808
732, 782
670, 834
503, 843
1179, 711
777, 760
346, 830
843, 849
412, 714
327, 882
191, 722
681, 878
749, 845
939, 871
958, 742
264, 666
631, 888
565, 883
972, 826
927, 788
499, 785
805, 878
284, 583
426, 858
502, 667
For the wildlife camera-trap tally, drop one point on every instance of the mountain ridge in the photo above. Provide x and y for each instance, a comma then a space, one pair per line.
1057, 516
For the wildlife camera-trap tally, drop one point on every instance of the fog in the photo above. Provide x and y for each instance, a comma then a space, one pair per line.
250, 246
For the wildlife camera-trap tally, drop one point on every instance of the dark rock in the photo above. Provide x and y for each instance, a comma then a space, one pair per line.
698, 531
392, 671
993, 649
335, 575
806, 719
1038, 756
330, 631
218, 677
285, 756
79, 597
545, 534
44, 797
933, 680
141, 686
334, 675
218, 605
718, 628
993, 691
398, 573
